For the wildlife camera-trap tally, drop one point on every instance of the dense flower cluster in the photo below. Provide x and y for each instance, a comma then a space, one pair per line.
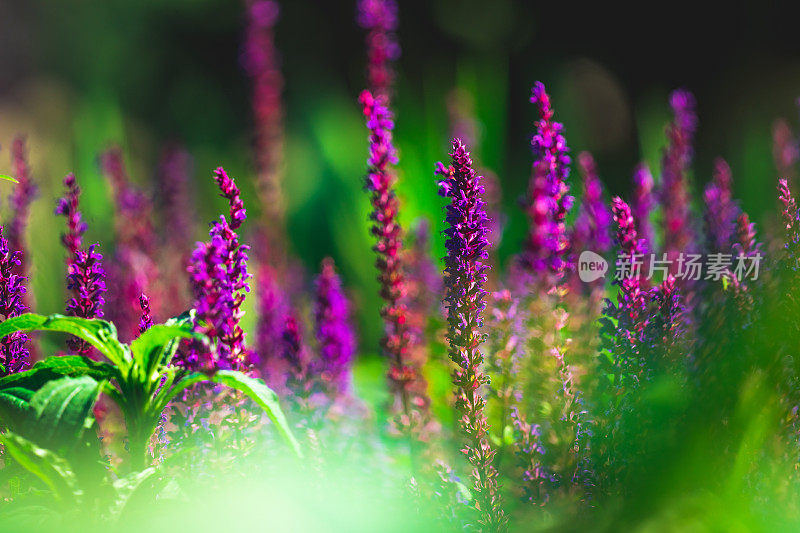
388, 233
721, 210
592, 229
20, 200
14, 354
334, 332
219, 280
547, 201
379, 18
465, 274
674, 194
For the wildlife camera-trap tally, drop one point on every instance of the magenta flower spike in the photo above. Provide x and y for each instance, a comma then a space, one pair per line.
218, 276
380, 181
146, 322
86, 277
465, 274
547, 201
273, 308
333, 329
593, 226
14, 354
379, 18
785, 149
261, 62
674, 194
721, 210
791, 222
67, 206
22, 195
642, 204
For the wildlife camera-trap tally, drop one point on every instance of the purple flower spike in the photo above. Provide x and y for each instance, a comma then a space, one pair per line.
674, 194
403, 374
230, 191
272, 310
14, 355
593, 225
20, 200
379, 18
547, 202
261, 61
721, 210
218, 276
337, 342
86, 282
785, 149
465, 275
791, 221
146, 322
642, 204
67, 206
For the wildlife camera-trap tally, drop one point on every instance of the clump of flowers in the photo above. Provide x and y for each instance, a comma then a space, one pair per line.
14, 354
465, 275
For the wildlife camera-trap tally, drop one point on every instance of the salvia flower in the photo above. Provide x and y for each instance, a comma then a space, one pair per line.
388, 233
785, 148
334, 331
379, 18
67, 206
14, 355
22, 195
465, 275
272, 307
642, 203
547, 202
592, 229
218, 276
146, 322
721, 210
674, 193
791, 223
262, 63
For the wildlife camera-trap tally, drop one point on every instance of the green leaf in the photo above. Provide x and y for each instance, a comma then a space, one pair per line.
8, 178
60, 409
57, 366
99, 333
265, 397
52, 469
158, 345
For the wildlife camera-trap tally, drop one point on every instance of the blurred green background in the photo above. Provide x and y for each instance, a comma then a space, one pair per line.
77, 76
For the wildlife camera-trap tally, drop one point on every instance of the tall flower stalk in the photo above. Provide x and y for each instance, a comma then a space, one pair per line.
261, 62
547, 201
22, 195
334, 332
679, 234
721, 210
86, 277
386, 229
379, 18
219, 280
465, 275
14, 354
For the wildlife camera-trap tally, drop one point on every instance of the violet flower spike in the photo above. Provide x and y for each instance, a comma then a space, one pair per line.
261, 61
388, 234
86, 282
334, 331
721, 210
67, 206
547, 201
593, 225
674, 194
465, 275
14, 354
791, 223
146, 322
642, 204
218, 276
379, 18
22, 195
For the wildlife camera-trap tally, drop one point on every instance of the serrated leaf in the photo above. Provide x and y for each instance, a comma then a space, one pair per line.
60, 409
259, 392
99, 333
49, 467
